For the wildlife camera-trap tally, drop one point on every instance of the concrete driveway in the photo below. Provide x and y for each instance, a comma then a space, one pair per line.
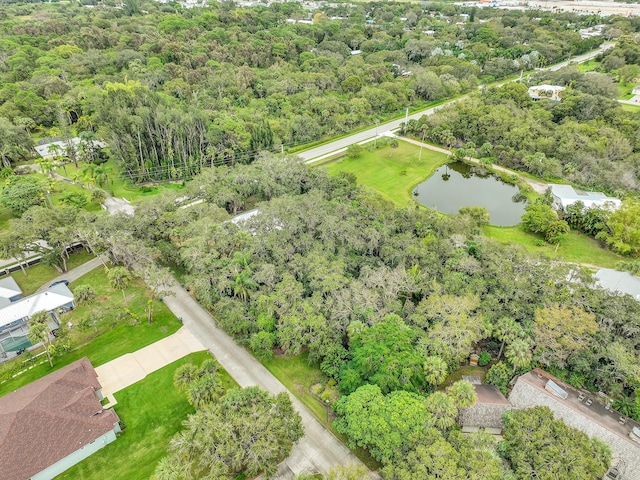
133, 367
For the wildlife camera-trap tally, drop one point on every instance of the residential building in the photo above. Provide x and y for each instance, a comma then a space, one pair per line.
546, 92
14, 317
487, 413
591, 414
619, 282
53, 423
565, 195
10, 291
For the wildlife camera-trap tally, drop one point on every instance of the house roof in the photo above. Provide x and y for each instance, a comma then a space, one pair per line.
9, 288
578, 402
489, 395
48, 300
620, 282
567, 195
45, 150
547, 88
47, 420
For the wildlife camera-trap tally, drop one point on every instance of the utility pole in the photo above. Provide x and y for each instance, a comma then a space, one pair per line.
375, 140
282, 148
406, 120
420, 156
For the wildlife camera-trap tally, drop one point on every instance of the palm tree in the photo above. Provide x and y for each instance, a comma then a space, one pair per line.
120, 279
443, 410
506, 330
435, 370
463, 394
39, 332
204, 390
519, 354
185, 375
243, 284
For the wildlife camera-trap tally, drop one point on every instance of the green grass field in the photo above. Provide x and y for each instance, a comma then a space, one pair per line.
631, 108
391, 172
112, 338
298, 376
41, 274
153, 411
576, 247
115, 184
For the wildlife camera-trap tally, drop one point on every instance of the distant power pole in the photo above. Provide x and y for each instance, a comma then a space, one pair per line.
406, 120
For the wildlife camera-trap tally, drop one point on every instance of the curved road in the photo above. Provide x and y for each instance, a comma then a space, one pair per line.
328, 149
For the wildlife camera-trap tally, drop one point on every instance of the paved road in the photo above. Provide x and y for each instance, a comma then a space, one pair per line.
319, 450
75, 273
323, 151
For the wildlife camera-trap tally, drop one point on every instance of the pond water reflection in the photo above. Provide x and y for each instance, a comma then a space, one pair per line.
458, 185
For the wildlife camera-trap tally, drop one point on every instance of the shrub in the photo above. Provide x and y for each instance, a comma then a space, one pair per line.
485, 358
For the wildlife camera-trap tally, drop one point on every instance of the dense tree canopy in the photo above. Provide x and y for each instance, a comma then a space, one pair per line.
246, 431
536, 443
172, 89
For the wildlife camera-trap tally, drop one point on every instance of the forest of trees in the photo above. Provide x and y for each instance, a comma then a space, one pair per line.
171, 90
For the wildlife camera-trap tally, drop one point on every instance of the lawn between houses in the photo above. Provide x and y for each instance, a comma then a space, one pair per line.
153, 411
111, 338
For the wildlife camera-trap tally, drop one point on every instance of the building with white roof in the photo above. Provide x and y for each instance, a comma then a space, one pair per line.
546, 92
618, 282
565, 195
14, 317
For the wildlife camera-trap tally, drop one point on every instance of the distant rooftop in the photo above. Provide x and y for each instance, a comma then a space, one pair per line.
566, 195
620, 282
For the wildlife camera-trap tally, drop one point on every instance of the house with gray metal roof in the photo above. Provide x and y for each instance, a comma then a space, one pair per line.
565, 195
586, 412
618, 282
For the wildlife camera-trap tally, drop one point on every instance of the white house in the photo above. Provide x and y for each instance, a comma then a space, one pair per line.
565, 195
546, 92
53, 423
14, 317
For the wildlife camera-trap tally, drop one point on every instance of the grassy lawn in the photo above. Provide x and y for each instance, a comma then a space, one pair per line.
298, 376
588, 66
575, 247
41, 274
631, 108
153, 411
113, 337
392, 172
625, 90
117, 186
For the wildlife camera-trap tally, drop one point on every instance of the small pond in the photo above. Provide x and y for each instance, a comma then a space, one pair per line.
458, 185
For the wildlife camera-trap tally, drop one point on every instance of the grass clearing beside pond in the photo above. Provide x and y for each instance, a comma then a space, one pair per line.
153, 411
576, 247
298, 376
393, 172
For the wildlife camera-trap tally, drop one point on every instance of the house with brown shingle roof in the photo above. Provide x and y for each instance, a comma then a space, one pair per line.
54, 423
487, 412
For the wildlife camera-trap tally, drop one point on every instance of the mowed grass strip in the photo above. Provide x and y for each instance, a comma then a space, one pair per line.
393, 172
41, 274
575, 247
298, 376
153, 411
